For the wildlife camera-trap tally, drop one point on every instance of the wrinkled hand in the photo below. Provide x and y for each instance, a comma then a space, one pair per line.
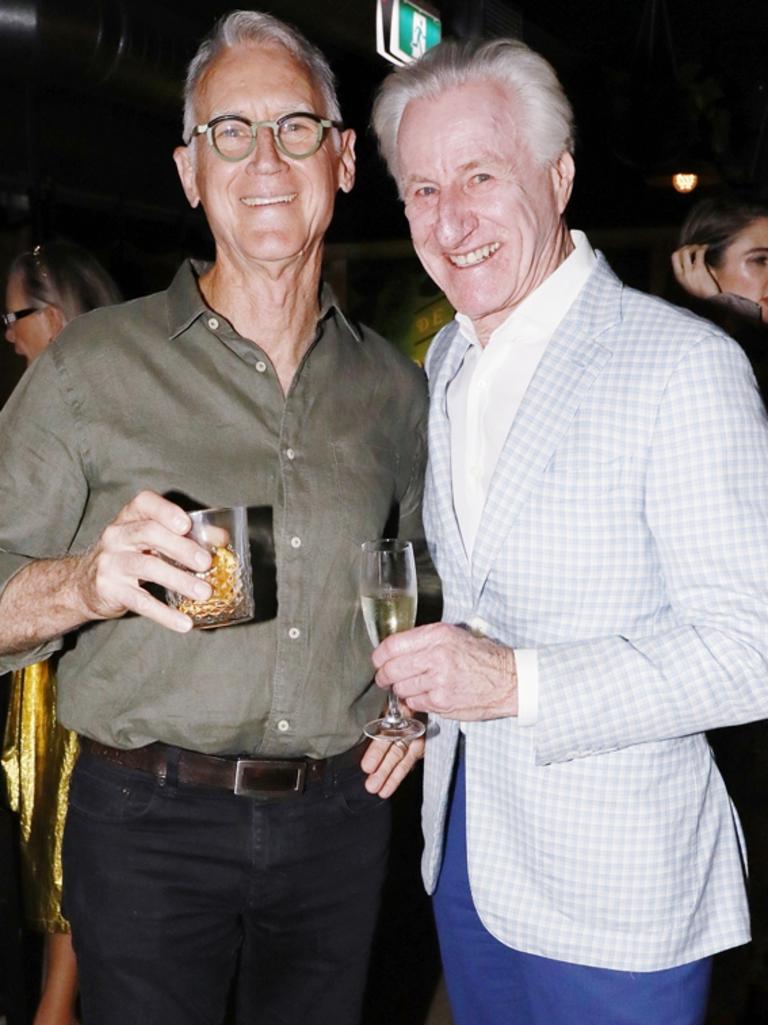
445, 669
387, 763
135, 548
692, 272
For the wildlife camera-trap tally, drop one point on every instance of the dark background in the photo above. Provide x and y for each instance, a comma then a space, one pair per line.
90, 113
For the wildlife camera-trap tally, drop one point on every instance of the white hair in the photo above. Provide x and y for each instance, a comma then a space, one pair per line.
546, 113
254, 28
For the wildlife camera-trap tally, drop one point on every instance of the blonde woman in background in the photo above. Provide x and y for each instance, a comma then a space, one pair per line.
47, 287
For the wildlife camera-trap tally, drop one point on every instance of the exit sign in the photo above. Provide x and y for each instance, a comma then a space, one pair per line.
405, 30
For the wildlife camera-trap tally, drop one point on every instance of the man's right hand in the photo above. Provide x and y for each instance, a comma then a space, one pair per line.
139, 546
445, 669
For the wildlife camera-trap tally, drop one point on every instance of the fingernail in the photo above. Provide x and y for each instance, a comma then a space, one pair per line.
202, 590
202, 560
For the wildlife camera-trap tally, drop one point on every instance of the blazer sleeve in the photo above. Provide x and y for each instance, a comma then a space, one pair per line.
706, 515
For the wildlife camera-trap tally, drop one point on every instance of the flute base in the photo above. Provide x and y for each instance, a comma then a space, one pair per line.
393, 730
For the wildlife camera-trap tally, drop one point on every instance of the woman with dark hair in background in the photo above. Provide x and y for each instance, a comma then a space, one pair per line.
47, 287
722, 263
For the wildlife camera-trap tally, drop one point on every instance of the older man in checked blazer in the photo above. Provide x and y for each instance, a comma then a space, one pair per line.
597, 508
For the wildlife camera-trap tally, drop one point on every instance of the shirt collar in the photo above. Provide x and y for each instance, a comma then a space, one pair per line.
330, 304
537, 316
186, 303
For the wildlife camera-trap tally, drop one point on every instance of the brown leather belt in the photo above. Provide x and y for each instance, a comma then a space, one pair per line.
250, 777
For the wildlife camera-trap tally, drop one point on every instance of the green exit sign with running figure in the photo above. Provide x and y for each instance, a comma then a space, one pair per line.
405, 30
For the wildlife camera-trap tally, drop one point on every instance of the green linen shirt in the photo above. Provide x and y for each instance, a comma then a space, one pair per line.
162, 393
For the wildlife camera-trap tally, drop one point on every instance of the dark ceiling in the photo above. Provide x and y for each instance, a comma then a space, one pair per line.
90, 105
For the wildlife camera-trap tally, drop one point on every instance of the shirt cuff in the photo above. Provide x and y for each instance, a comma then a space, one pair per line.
527, 665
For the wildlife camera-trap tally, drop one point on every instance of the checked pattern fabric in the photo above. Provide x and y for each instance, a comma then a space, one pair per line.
625, 537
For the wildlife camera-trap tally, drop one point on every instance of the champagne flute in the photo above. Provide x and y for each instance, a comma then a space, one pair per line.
388, 597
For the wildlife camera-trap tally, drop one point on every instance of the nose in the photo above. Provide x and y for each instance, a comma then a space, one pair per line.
265, 158
455, 218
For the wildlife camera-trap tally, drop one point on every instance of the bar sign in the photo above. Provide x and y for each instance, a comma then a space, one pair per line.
405, 30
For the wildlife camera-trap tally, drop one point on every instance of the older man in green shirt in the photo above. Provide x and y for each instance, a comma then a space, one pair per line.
243, 383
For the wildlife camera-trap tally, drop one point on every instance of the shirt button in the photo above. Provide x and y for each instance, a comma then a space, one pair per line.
294, 633
213, 323
295, 542
290, 454
261, 366
283, 725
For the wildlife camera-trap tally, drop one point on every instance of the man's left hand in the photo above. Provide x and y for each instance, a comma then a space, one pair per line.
389, 762
446, 669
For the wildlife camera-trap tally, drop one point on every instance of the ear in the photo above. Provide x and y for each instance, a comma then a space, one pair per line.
563, 172
185, 165
54, 320
346, 173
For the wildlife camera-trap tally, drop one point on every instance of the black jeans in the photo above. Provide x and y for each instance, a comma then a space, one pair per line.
168, 888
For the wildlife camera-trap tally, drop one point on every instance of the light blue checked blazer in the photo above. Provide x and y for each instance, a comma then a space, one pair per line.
625, 536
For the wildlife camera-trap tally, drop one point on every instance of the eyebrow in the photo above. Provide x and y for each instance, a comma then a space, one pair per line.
241, 113
471, 165
411, 179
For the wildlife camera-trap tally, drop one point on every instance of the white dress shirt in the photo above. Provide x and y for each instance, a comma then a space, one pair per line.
483, 400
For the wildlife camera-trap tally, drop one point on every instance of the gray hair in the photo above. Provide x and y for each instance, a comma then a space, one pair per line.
64, 275
547, 116
254, 28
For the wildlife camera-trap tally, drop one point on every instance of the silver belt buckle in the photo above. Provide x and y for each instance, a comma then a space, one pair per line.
269, 778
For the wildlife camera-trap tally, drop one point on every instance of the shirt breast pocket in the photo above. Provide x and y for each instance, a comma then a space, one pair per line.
366, 485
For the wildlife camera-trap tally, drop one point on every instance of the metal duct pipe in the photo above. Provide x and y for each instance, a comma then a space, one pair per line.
125, 48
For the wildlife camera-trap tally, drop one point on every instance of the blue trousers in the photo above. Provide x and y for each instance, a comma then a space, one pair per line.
489, 983
170, 888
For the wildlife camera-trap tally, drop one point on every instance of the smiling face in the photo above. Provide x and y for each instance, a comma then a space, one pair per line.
268, 207
744, 267
485, 216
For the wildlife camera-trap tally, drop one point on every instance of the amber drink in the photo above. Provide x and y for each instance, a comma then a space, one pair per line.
224, 532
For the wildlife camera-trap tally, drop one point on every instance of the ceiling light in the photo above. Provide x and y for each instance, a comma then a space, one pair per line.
684, 181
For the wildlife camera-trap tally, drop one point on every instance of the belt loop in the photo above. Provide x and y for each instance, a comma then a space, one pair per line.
330, 779
169, 772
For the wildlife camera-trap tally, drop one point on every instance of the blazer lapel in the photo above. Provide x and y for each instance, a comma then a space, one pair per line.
439, 490
571, 362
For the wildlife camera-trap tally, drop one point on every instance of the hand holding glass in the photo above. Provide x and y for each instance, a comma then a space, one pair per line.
388, 596
224, 532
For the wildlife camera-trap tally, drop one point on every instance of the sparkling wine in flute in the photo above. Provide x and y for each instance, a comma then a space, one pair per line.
388, 613
388, 598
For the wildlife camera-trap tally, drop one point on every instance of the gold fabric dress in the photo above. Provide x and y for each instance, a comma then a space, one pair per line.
37, 759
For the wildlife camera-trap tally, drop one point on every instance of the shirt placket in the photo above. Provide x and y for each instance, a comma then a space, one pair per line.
475, 451
291, 544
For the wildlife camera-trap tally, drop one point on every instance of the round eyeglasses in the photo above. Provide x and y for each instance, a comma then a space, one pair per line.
296, 135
